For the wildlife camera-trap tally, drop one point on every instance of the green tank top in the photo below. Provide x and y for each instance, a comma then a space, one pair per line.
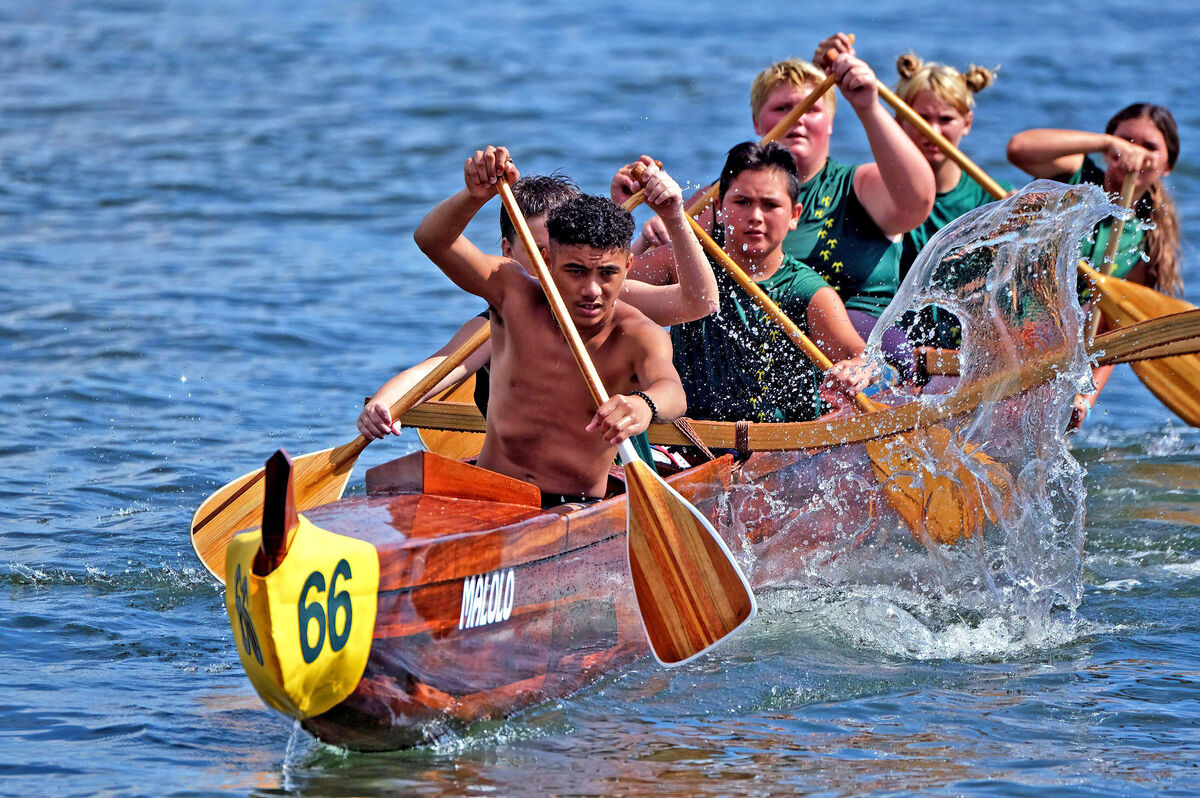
1132, 244
839, 239
967, 195
738, 365
932, 326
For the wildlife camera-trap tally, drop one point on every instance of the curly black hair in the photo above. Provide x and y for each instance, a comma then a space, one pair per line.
592, 221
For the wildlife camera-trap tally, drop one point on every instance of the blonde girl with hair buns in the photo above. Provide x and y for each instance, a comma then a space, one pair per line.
945, 98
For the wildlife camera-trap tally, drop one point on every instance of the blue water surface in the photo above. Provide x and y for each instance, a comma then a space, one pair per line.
206, 213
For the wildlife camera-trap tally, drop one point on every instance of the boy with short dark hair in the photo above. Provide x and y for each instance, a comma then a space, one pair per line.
542, 425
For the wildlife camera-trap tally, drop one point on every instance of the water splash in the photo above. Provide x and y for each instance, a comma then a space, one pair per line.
1008, 272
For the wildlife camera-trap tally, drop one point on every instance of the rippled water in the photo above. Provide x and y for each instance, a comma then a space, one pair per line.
205, 243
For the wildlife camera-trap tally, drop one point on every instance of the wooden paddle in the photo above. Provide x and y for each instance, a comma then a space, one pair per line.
1109, 262
945, 502
1162, 336
317, 478
690, 591
1175, 381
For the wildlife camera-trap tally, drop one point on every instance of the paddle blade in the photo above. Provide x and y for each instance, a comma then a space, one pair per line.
453, 444
1124, 302
938, 495
317, 478
1174, 380
691, 592
1176, 383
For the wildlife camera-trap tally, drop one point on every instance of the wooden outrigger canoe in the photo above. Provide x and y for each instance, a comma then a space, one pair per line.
447, 594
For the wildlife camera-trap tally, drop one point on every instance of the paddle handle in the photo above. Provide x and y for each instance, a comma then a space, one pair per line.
557, 306
639, 196
1109, 263
773, 310
904, 111
699, 203
1114, 237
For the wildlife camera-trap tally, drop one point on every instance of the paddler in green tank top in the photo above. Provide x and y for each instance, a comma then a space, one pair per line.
943, 97
737, 364
1141, 137
851, 216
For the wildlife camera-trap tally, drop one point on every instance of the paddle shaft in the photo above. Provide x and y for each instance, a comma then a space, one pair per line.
1114, 237
557, 306
760, 297
1109, 262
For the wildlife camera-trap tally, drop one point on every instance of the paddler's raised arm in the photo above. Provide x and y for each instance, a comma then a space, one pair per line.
897, 189
692, 294
1050, 152
440, 233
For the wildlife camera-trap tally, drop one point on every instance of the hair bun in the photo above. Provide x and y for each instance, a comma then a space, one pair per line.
908, 65
979, 78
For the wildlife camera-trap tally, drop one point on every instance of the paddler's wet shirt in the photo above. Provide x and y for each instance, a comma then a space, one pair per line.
1132, 245
738, 364
841, 242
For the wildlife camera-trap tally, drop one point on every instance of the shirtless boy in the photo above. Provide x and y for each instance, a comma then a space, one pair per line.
692, 293
542, 425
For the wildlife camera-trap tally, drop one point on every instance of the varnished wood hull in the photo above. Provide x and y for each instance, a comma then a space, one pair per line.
436, 665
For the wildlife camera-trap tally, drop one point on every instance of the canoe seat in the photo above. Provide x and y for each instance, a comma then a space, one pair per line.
434, 475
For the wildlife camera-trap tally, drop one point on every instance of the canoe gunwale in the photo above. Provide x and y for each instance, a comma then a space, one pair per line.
834, 430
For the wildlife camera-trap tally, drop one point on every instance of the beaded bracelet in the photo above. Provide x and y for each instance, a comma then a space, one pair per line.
650, 402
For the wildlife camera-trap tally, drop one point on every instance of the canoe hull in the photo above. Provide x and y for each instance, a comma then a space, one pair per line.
486, 607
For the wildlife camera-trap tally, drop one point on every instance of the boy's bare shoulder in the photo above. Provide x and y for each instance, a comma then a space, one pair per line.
515, 279
632, 322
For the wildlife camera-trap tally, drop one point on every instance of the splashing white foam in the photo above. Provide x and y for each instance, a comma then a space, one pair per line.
1008, 272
